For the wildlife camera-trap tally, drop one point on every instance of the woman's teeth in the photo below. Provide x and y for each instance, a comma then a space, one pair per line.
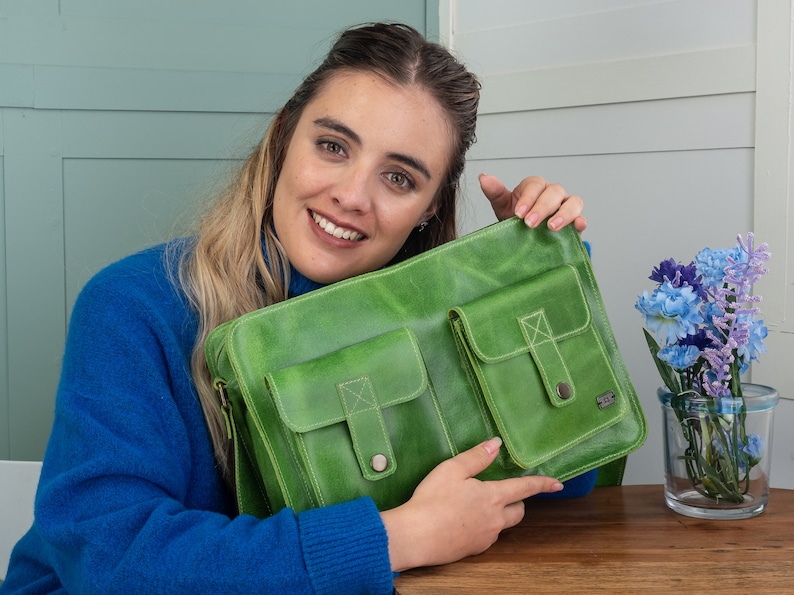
337, 232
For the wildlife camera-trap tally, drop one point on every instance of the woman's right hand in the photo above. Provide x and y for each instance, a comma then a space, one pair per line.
452, 515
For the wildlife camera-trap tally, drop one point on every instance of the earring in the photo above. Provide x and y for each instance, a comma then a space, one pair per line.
423, 226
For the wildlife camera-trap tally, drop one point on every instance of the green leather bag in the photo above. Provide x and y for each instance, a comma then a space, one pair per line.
362, 387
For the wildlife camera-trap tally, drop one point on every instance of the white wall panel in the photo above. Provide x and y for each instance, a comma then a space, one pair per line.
590, 35
476, 15
688, 74
666, 125
647, 109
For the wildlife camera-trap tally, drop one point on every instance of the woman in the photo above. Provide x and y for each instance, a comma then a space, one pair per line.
359, 169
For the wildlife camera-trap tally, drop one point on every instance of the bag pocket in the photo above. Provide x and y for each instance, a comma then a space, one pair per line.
534, 356
363, 420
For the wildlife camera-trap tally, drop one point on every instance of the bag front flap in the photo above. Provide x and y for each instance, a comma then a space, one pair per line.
532, 316
354, 385
541, 364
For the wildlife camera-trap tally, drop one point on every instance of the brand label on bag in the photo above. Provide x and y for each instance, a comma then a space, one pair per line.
605, 400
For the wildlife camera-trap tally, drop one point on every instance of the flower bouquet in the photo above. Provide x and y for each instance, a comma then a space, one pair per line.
706, 321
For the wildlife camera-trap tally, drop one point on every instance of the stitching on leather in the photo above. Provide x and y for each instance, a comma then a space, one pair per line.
441, 418
251, 460
245, 393
544, 321
366, 386
534, 325
490, 230
476, 349
312, 473
268, 445
562, 448
390, 403
467, 357
359, 397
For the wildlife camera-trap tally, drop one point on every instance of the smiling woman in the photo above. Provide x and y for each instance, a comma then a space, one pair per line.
362, 170
359, 169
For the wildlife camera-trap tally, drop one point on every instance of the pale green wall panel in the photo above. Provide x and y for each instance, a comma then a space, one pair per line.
161, 135
5, 439
16, 85
139, 201
34, 272
235, 35
115, 119
160, 90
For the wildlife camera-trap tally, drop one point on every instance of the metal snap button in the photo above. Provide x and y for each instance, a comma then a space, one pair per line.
379, 463
563, 390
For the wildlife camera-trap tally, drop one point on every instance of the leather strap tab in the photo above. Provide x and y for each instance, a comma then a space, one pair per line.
367, 428
548, 359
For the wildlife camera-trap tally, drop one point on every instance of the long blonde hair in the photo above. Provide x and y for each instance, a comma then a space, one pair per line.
227, 273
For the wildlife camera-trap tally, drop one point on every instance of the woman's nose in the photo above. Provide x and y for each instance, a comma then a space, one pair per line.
353, 190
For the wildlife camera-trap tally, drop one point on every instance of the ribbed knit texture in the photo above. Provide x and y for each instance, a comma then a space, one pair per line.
318, 527
129, 499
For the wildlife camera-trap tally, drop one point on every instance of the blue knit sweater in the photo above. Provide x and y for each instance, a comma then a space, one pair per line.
129, 499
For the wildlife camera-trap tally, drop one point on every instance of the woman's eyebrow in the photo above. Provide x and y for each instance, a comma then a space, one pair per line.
412, 162
337, 126
407, 160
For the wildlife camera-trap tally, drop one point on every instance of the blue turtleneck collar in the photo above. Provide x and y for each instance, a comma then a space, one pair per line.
299, 284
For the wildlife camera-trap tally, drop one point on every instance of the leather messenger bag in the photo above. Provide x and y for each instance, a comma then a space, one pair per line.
363, 386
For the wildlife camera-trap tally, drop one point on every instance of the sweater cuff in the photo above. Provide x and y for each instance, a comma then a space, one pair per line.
346, 549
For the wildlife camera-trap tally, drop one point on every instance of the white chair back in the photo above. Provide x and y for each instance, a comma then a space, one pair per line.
18, 481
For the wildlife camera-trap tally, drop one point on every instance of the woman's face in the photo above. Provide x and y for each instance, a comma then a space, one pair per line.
361, 171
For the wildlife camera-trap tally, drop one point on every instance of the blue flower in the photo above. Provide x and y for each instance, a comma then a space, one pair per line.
679, 357
711, 311
755, 343
727, 405
711, 264
754, 447
670, 312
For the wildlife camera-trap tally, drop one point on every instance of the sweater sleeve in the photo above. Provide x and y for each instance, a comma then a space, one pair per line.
129, 500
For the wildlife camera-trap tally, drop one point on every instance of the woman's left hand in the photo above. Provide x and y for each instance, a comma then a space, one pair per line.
533, 200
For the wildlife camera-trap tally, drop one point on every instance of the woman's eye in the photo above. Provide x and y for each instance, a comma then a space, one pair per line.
400, 179
332, 147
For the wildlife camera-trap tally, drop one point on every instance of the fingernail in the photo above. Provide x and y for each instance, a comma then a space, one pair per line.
557, 486
521, 211
555, 223
532, 220
493, 445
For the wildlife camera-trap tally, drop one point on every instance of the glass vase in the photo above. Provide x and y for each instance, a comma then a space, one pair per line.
718, 452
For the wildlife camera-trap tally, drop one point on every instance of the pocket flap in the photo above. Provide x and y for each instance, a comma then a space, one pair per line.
375, 374
531, 317
505, 324
540, 364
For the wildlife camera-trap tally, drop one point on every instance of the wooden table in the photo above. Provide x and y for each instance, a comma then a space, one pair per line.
625, 540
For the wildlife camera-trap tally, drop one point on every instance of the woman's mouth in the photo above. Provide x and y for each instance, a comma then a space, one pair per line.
337, 232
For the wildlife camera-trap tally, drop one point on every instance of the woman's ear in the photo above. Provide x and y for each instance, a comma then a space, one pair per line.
428, 214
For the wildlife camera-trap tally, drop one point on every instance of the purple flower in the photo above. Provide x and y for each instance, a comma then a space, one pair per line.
699, 339
678, 275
